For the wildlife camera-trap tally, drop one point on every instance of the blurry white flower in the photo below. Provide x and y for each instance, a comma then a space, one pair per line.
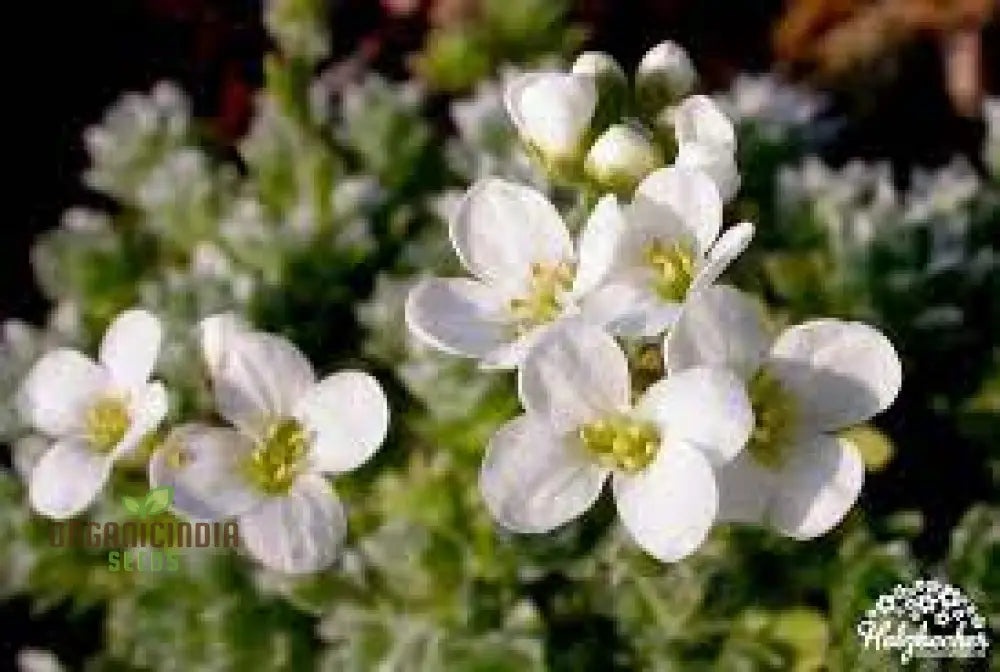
527, 275
817, 378
96, 412
770, 103
289, 430
552, 112
546, 467
705, 140
663, 250
37, 660
621, 157
664, 76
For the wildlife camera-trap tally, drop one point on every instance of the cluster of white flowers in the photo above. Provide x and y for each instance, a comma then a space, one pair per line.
740, 428
288, 429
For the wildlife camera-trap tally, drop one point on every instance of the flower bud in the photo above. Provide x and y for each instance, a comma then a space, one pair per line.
612, 86
552, 112
664, 76
621, 158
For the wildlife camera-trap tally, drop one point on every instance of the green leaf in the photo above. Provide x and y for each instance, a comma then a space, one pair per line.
158, 500
132, 505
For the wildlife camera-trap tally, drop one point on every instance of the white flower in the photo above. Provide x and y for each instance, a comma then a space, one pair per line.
664, 76
621, 157
546, 467
600, 66
664, 249
527, 274
552, 111
289, 430
815, 379
96, 412
705, 140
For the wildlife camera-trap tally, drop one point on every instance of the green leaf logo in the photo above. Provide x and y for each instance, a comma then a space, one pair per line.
132, 505
156, 501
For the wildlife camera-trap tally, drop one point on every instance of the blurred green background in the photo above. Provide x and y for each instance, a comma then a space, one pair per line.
299, 170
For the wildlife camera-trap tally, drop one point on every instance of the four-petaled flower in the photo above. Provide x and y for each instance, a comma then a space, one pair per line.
527, 274
814, 380
95, 412
660, 249
546, 467
289, 431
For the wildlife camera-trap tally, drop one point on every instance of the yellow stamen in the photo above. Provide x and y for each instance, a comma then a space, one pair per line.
621, 443
673, 265
775, 415
105, 423
277, 459
542, 304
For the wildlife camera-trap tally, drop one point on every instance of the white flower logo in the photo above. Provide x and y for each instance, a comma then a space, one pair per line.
95, 412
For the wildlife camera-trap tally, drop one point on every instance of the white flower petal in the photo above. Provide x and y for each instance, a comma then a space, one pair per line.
698, 120
502, 228
206, 468
533, 480
348, 416
729, 246
690, 196
511, 355
599, 241
261, 377
214, 333
669, 507
721, 326
59, 389
841, 373
705, 407
817, 487
299, 533
146, 410
130, 348
629, 308
67, 479
745, 490
719, 163
552, 111
575, 374
458, 316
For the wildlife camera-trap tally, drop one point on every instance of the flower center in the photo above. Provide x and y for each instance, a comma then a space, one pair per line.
673, 265
547, 284
105, 423
774, 420
277, 458
621, 443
